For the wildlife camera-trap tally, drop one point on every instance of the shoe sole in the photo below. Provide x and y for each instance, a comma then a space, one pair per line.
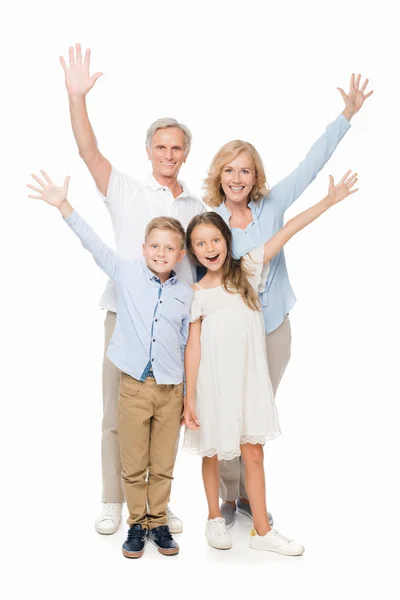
276, 551
220, 547
132, 554
243, 512
106, 532
171, 552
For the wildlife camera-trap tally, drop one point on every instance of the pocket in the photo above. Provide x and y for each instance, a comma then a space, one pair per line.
129, 387
179, 300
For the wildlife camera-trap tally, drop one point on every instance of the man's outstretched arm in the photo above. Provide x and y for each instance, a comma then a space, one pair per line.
78, 84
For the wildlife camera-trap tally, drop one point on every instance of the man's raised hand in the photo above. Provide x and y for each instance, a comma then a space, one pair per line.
77, 79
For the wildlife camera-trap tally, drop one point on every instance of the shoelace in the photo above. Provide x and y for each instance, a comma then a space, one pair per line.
219, 526
281, 537
163, 532
135, 533
110, 511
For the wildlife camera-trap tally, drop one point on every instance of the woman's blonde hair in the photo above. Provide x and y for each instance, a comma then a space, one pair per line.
234, 273
214, 195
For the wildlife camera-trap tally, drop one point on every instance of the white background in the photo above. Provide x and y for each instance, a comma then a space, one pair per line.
267, 73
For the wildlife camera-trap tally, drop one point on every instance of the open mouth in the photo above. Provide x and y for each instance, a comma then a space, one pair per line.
213, 259
236, 189
160, 262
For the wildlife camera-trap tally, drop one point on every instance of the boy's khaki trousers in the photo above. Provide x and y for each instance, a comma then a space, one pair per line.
148, 428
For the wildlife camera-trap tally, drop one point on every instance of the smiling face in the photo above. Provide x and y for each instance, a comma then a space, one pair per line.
238, 178
167, 153
209, 246
162, 250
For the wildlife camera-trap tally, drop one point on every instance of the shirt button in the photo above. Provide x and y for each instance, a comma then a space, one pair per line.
160, 301
156, 320
152, 359
163, 189
154, 340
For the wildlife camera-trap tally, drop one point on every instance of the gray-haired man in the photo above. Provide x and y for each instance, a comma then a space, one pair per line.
132, 205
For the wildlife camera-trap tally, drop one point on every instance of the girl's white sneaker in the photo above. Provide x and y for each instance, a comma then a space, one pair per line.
217, 534
275, 542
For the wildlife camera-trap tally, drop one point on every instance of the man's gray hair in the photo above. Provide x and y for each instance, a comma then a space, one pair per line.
164, 124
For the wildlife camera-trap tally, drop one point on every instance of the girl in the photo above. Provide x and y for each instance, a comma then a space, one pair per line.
229, 409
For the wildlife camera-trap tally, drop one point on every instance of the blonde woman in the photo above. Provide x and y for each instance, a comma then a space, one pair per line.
236, 188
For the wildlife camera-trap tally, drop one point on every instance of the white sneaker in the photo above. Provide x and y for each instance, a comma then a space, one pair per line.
175, 525
217, 534
110, 518
275, 542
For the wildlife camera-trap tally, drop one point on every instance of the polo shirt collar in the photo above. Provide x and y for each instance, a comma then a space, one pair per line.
155, 185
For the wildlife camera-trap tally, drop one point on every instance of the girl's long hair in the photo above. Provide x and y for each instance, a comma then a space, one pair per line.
234, 273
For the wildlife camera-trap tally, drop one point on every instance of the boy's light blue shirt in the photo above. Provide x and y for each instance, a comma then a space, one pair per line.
152, 317
278, 297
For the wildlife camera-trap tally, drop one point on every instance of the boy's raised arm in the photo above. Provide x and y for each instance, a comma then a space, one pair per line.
56, 196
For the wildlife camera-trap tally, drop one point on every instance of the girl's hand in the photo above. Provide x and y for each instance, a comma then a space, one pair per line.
341, 190
49, 192
189, 416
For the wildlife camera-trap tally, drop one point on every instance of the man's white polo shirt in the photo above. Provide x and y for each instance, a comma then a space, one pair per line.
132, 205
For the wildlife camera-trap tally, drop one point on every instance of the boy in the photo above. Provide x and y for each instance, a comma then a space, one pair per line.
147, 346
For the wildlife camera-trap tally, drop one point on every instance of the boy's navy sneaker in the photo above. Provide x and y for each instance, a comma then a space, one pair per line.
133, 547
162, 538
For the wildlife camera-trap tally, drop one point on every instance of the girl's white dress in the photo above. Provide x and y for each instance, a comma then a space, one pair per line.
234, 398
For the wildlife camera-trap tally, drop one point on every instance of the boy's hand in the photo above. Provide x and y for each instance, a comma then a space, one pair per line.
77, 79
341, 190
49, 192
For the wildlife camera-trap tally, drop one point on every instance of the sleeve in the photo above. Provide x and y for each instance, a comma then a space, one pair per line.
184, 339
196, 310
291, 187
258, 271
106, 258
121, 188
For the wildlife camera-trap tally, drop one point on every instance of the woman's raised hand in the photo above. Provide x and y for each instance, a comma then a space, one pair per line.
356, 97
